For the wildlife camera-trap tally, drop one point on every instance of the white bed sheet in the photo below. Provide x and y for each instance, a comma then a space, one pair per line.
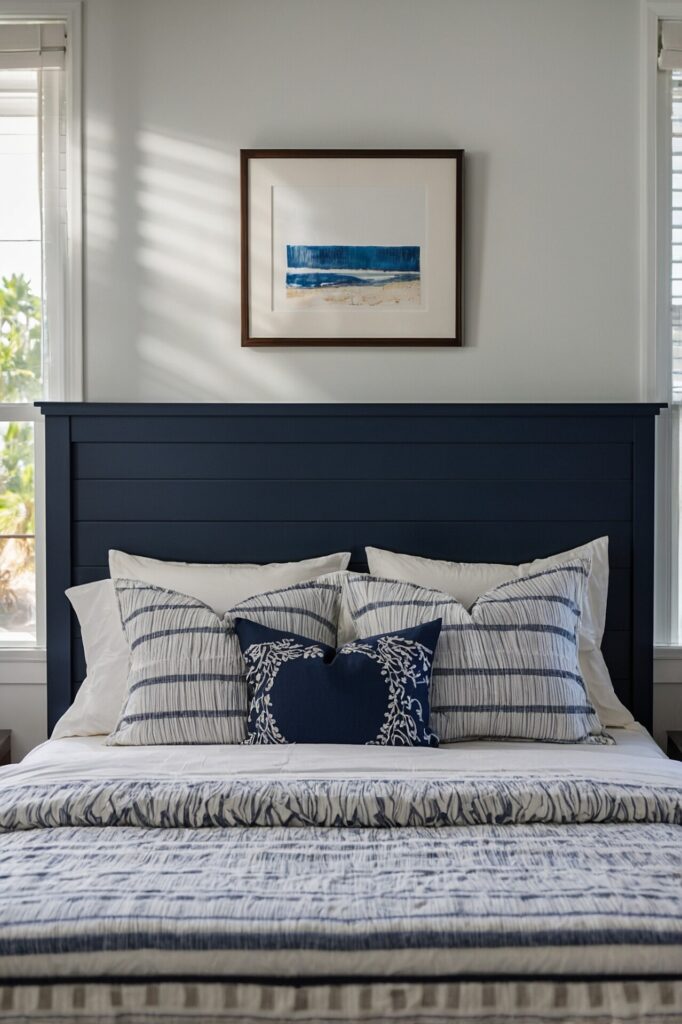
88, 756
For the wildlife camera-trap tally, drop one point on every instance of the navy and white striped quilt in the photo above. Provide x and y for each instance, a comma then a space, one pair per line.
526, 875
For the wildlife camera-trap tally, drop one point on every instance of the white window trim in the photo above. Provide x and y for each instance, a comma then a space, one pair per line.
655, 325
69, 361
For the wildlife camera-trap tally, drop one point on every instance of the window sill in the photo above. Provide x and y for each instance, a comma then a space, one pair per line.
22, 654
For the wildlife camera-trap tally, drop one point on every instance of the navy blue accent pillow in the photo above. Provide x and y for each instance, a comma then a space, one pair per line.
374, 690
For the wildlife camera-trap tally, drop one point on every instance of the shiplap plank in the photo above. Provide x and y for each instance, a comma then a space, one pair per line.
576, 463
257, 542
623, 688
616, 647
352, 429
369, 500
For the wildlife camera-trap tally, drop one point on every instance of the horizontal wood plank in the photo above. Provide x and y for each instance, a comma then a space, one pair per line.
371, 501
326, 461
358, 429
623, 688
617, 650
256, 542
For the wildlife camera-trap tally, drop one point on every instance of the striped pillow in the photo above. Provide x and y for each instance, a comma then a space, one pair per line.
187, 678
509, 667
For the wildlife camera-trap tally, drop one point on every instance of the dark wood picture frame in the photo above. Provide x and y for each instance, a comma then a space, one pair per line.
246, 155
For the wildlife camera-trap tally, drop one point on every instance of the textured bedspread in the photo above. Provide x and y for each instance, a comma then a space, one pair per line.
539, 873
296, 902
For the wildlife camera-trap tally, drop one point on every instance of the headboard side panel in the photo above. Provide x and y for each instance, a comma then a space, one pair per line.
275, 483
59, 567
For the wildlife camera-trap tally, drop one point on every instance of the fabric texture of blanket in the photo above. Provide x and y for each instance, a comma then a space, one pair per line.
227, 866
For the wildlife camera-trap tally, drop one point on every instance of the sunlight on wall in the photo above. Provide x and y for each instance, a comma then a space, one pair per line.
187, 253
184, 252
100, 159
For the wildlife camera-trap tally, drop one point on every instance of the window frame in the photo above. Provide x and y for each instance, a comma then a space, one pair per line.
65, 382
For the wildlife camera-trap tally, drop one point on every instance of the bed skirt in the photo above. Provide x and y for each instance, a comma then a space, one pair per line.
475, 1001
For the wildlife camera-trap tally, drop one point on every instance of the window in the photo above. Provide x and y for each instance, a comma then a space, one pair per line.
39, 293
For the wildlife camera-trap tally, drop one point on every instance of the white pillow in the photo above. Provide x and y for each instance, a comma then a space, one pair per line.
467, 581
98, 702
222, 586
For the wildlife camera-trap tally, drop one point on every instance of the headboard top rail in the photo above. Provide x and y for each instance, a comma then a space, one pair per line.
361, 409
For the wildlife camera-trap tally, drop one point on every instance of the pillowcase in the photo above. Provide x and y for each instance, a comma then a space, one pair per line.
467, 581
508, 668
222, 586
186, 681
98, 702
371, 691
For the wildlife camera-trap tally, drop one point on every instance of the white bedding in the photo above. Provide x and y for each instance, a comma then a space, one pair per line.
71, 758
565, 860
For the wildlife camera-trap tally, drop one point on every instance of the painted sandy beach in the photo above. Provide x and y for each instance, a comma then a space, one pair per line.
353, 275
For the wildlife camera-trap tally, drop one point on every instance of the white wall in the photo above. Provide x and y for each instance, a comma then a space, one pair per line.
23, 703
543, 96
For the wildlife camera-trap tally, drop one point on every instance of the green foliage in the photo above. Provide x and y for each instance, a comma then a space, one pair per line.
20, 381
17, 480
20, 341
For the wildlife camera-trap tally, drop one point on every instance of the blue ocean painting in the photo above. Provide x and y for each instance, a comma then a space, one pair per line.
355, 274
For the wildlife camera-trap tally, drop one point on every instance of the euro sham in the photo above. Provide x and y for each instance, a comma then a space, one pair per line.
98, 702
186, 683
506, 669
467, 581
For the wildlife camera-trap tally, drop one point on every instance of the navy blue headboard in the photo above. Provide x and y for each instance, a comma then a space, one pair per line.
261, 483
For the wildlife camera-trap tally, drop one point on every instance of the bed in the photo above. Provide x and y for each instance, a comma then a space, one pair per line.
479, 881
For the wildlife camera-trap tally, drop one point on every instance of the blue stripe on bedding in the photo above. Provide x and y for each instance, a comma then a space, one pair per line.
94, 942
151, 608
503, 670
527, 627
187, 677
515, 709
158, 634
182, 713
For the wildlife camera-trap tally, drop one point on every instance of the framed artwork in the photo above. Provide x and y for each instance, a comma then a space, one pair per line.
351, 247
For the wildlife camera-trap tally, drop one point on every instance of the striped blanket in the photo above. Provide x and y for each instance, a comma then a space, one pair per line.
560, 880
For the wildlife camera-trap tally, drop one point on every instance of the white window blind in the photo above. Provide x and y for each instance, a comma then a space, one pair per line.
32, 47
